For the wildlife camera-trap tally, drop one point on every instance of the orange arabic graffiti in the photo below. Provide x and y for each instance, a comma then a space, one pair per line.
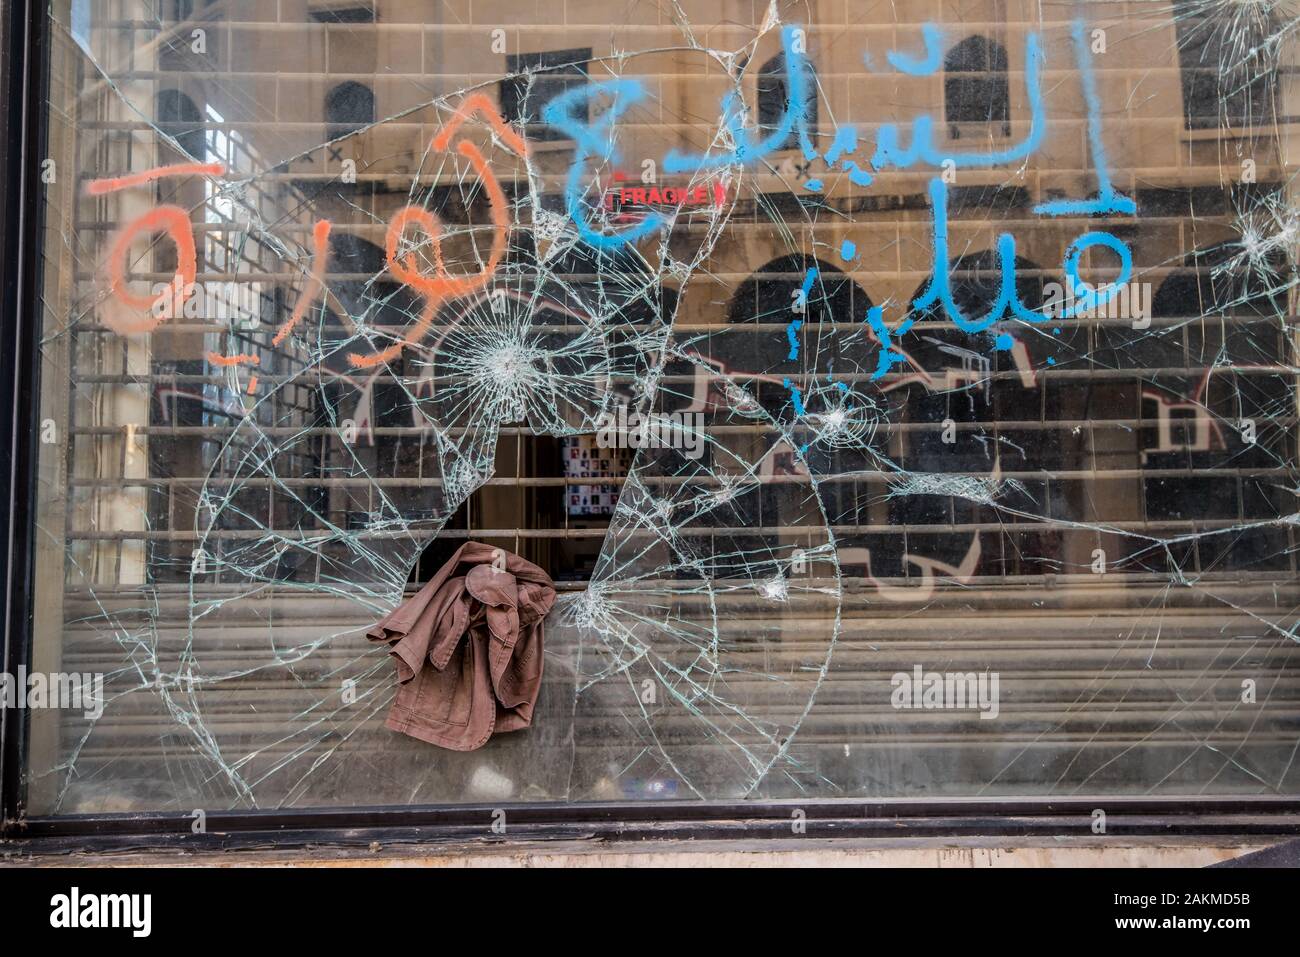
478, 104
310, 294
172, 220
315, 284
435, 288
100, 187
243, 359
176, 223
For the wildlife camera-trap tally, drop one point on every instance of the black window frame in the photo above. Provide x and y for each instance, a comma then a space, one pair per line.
976, 92
24, 60
772, 99
1212, 101
347, 93
534, 79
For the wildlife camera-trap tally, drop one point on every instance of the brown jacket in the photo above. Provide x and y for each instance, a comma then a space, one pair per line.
468, 647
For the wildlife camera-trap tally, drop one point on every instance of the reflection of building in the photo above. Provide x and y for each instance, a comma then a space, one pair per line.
355, 80
328, 114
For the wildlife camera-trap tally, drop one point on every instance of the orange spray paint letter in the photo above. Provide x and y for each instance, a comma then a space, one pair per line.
441, 285
175, 222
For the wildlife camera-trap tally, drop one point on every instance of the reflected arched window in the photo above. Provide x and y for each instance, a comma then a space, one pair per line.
180, 119
774, 99
944, 350
534, 79
980, 390
1222, 308
975, 87
349, 107
1228, 65
773, 295
769, 293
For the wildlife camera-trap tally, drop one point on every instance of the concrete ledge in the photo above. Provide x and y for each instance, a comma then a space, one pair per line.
921, 852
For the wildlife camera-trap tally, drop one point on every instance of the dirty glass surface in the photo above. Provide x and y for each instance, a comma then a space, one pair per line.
902, 395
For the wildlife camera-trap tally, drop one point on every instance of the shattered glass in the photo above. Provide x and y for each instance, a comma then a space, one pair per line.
971, 326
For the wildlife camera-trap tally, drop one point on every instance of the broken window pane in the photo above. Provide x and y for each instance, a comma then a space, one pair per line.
897, 414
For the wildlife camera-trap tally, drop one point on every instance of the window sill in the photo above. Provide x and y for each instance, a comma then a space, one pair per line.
1210, 134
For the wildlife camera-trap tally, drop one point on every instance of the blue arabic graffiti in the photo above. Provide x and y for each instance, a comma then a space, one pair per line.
905, 63
748, 149
1107, 201
922, 149
595, 140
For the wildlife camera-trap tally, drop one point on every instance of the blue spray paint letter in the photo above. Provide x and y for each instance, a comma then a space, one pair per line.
939, 289
1088, 298
887, 357
596, 139
1107, 201
889, 153
748, 149
912, 66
